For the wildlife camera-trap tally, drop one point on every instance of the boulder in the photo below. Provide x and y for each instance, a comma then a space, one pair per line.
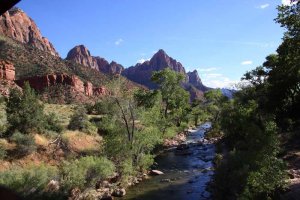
156, 172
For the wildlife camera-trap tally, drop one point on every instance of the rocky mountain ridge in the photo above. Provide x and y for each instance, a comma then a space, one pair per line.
81, 55
18, 25
141, 73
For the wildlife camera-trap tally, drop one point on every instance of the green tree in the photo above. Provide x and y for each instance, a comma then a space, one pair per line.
24, 110
175, 99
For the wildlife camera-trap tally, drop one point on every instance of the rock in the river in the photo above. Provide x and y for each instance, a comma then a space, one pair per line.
156, 172
119, 192
182, 147
165, 180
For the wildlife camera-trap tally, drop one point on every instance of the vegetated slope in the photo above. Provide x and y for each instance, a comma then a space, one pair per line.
30, 61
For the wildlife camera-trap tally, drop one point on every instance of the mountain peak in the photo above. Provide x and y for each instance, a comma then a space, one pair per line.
80, 54
195, 80
79, 49
17, 25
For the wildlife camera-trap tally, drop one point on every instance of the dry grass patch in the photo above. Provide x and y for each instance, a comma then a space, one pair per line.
82, 142
63, 112
41, 140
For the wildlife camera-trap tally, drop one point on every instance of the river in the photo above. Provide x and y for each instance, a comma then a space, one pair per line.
186, 172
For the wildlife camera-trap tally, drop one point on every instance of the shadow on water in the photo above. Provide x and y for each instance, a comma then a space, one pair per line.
186, 172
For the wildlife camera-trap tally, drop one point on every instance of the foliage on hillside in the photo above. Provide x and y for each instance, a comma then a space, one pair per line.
131, 126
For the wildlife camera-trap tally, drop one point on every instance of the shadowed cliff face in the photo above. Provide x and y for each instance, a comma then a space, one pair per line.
80, 54
195, 81
17, 25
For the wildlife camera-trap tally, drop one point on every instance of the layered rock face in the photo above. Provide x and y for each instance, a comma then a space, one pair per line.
17, 25
7, 71
81, 55
42, 82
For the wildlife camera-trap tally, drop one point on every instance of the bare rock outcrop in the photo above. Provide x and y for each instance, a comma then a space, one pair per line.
7, 77
16, 24
7, 71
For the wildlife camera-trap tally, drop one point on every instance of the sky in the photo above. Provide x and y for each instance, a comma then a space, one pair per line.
222, 39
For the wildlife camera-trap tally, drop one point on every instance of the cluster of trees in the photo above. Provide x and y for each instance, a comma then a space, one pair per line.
134, 124
25, 115
252, 121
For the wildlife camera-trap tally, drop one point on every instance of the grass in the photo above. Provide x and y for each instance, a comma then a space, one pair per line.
82, 142
63, 112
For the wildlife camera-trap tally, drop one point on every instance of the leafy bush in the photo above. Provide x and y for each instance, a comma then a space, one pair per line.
145, 161
28, 180
25, 113
85, 171
253, 146
52, 123
25, 143
79, 121
24, 110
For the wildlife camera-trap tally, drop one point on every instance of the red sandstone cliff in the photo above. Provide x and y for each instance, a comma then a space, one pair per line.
40, 83
16, 24
7, 77
7, 71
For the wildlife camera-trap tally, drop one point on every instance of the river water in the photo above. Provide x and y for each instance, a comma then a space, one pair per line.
186, 172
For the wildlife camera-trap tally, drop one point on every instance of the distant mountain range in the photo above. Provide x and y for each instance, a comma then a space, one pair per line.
17, 25
140, 73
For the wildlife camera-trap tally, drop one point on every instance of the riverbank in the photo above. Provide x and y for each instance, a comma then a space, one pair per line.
112, 188
187, 169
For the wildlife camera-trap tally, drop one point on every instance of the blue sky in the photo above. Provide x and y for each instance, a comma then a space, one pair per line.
222, 39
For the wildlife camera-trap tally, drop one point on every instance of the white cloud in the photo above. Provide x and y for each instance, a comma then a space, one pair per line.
210, 76
207, 69
263, 6
247, 62
218, 81
143, 60
288, 2
119, 41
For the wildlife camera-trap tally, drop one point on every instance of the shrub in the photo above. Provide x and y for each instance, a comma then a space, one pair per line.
2, 151
78, 120
27, 181
52, 123
25, 143
85, 171
24, 110
218, 159
145, 161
